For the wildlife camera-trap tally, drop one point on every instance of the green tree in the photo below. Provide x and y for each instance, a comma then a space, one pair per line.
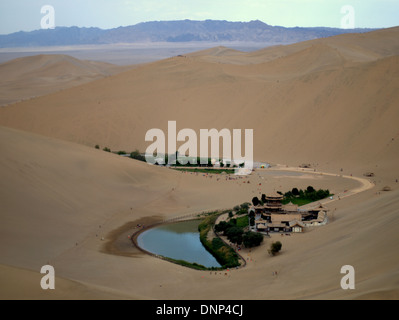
310, 189
234, 234
275, 247
222, 226
295, 192
288, 195
263, 198
255, 201
252, 239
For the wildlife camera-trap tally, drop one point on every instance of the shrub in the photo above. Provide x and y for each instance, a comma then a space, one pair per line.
107, 149
225, 255
97, 146
245, 205
217, 243
136, 155
275, 247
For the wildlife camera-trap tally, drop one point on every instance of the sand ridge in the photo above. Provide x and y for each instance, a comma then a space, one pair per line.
277, 99
33, 76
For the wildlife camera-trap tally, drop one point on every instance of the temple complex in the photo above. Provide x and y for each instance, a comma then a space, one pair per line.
273, 216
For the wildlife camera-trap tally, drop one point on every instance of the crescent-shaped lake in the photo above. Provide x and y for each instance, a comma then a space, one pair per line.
179, 241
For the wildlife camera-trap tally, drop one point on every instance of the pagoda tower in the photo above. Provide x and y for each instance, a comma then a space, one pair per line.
274, 203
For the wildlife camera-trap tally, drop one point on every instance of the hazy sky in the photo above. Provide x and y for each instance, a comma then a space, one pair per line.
25, 15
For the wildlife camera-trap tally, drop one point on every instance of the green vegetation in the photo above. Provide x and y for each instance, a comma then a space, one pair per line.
275, 247
255, 201
137, 155
297, 196
302, 197
189, 264
242, 222
234, 231
252, 239
234, 234
242, 208
134, 155
224, 254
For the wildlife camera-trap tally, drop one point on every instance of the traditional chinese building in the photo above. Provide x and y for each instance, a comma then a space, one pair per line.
273, 216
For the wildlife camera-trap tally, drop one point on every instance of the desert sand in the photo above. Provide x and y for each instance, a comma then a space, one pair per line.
29, 77
331, 103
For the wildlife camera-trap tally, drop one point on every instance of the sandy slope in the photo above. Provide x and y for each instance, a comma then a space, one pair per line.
59, 202
34, 76
332, 104
347, 104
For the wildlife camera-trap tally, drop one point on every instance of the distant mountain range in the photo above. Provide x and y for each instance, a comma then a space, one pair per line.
171, 31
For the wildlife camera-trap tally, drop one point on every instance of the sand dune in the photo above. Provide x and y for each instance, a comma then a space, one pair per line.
312, 88
59, 202
33, 76
354, 47
74, 195
331, 103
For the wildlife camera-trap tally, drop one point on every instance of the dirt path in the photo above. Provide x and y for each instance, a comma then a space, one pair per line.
365, 184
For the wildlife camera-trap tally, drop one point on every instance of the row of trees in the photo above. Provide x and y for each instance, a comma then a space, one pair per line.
138, 156
223, 253
134, 155
310, 194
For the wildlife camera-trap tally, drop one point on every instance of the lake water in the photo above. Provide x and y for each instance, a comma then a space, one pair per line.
178, 241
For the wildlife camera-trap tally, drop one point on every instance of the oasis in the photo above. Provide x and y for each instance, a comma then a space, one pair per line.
188, 151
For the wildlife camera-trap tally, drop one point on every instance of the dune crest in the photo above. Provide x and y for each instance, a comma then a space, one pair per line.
33, 76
